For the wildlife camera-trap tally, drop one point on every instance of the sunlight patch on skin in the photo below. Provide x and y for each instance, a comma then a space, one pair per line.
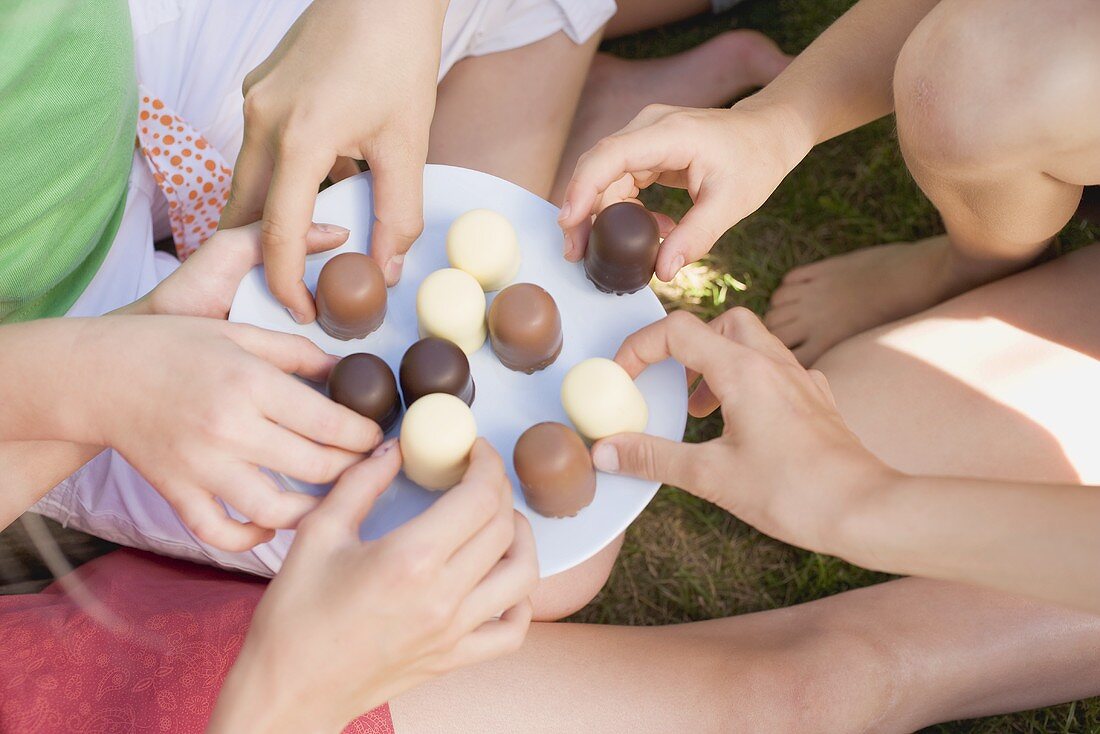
1019, 370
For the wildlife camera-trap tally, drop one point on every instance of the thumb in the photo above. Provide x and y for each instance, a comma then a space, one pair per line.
236, 251
353, 496
693, 237
649, 457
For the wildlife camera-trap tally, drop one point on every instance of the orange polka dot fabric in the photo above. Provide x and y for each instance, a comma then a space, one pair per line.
192, 174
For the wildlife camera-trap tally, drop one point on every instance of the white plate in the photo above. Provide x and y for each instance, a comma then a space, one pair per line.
507, 402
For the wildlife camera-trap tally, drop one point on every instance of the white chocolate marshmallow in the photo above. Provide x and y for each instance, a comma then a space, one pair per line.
483, 243
436, 437
601, 400
451, 305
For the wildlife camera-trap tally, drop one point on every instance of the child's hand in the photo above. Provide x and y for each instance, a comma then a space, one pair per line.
347, 625
205, 284
729, 161
351, 78
785, 463
197, 405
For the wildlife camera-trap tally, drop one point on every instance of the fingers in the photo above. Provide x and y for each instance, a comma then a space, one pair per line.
741, 325
465, 508
680, 336
256, 496
702, 401
510, 581
608, 163
288, 214
473, 561
649, 457
308, 413
248, 188
208, 520
236, 251
398, 207
343, 168
696, 233
352, 497
290, 353
278, 449
492, 639
665, 223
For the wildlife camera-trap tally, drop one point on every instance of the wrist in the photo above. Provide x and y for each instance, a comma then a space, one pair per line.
85, 395
255, 698
796, 132
864, 515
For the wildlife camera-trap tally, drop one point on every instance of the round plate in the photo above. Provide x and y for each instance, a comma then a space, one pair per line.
507, 403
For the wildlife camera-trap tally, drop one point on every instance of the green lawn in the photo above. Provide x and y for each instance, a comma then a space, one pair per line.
684, 559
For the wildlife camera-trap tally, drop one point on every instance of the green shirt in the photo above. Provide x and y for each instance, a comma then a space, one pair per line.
68, 112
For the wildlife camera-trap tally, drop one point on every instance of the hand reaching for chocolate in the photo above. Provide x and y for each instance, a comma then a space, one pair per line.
348, 625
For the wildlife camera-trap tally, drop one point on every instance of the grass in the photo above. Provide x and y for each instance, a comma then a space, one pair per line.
684, 559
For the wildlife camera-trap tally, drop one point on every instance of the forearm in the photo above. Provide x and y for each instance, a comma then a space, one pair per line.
41, 360
844, 79
1039, 540
32, 468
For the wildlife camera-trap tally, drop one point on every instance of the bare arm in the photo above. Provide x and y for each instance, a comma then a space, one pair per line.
844, 79
787, 464
69, 385
1037, 539
730, 161
32, 468
31, 465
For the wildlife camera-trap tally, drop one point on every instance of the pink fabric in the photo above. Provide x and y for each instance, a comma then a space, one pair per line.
167, 634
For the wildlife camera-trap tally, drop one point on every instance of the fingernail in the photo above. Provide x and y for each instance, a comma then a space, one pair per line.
677, 263
606, 458
568, 246
565, 212
384, 447
393, 268
298, 317
332, 229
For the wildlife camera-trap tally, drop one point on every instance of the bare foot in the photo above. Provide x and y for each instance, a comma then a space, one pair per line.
819, 305
708, 75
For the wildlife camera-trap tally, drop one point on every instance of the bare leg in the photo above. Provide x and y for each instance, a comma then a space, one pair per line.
1001, 131
893, 657
889, 658
641, 15
999, 382
509, 113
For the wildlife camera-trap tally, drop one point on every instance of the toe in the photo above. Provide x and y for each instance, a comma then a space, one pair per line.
786, 295
804, 273
780, 316
792, 333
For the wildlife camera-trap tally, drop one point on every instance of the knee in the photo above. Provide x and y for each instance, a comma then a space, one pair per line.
566, 593
815, 678
979, 83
